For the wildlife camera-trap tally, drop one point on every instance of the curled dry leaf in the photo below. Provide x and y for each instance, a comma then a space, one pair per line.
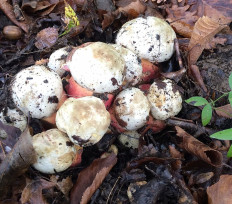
203, 32
16, 162
91, 178
8, 10
220, 192
46, 38
32, 193
197, 148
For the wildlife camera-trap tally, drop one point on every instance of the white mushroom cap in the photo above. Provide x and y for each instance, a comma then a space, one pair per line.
57, 59
165, 99
37, 90
131, 108
54, 151
133, 65
98, 67
85, 119
151, 38
14, 118
130, 139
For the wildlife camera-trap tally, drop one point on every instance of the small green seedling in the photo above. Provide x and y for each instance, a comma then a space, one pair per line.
71, 19
207, 111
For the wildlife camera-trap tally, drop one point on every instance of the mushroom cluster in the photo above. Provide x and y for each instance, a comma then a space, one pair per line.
106, 91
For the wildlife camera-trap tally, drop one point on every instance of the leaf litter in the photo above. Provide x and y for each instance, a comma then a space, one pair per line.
176, 158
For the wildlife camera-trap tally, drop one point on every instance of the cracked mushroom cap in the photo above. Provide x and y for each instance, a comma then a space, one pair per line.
133, 65
150, 38
37, 90
98, 67
131, 108
13, 117
54, 151
57, 59
85, 120
165, 99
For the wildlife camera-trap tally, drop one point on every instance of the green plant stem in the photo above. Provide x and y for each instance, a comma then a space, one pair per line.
225, 94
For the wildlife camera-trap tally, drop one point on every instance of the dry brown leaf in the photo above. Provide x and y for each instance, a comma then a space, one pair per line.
64, 185
203, 32
224, 111
219, 10
131, 7
32, 193
197, 148
46, 38
8, 10
181, 19
215, 41
16, 162
221, 192
91, 178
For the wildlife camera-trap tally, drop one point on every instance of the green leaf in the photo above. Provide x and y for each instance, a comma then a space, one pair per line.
230, 81
229, 153
197, 101
223, 135
206, 114
71, 18
230, 97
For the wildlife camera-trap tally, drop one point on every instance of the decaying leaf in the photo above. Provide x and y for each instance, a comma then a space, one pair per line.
220, 192
203, 32
181, 19
32, 193
91, 178
8, 10
224, 111
197, 148
16, 162
12, 132
64, 185
131, 7
46, 38
219, 10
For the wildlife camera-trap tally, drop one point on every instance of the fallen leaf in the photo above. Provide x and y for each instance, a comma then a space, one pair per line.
181, 19
64, 185
46, 38
219, 10
16, 162
32, 193
12, 132
220, 192
8, 10
91, 178
131, 7
199, 149
203, 32
215, 41
224, 111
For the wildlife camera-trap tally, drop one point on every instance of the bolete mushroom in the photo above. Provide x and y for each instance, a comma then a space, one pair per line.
37, 90
150, 38
85, 120
97, 67
54, 151
165, 99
